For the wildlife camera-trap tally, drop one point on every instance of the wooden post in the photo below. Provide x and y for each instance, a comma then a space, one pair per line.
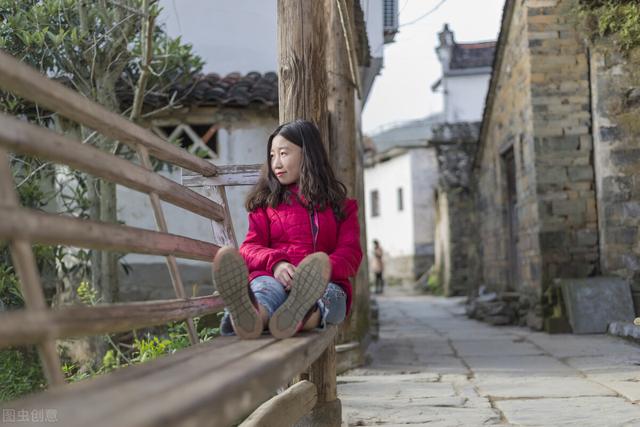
302, 77
343, 86
302, 94
328, 409
341, 96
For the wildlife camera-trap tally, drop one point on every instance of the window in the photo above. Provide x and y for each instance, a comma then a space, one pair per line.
400, 200
390, 19
375, 203
201, 140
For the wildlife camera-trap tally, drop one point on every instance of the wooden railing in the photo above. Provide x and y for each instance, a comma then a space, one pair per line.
213, 383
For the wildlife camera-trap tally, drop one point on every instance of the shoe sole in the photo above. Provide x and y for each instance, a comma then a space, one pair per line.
309, 283
231, 279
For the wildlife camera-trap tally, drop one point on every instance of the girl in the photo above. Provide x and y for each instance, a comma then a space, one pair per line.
302, 246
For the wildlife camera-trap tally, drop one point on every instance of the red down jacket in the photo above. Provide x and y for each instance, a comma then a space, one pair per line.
284, 234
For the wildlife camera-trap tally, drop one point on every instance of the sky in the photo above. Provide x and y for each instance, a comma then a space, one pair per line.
402, 91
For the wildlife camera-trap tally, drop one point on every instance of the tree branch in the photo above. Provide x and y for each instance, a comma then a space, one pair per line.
146, 45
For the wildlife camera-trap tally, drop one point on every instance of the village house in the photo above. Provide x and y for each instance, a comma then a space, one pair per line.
556, 172
228, 114
403, 212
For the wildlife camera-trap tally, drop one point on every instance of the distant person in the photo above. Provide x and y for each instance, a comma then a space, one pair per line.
378, 266
293, 270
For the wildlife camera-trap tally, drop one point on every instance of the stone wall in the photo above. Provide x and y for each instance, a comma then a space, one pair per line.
615, 81
563, 143
406, 269
509, 126
456, 236
539, 112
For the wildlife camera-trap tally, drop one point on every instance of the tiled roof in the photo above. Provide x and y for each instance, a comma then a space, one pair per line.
472, 55
232, 90
411, 133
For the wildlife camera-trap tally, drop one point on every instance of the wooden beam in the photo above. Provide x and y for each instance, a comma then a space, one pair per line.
346, 157
214, 383
227, 175
302, 73
25, 138
34, 226
345, 16
22, 80
341, 98
286, 408
23, 327
307, 42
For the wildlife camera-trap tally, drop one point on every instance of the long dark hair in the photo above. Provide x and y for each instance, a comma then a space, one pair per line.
318, 184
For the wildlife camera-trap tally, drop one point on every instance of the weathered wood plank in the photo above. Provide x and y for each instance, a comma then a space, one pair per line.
28, 83
46, 228
24, 327
227, 175
25, 138
211, 387
106, 400
286, 408
228, 223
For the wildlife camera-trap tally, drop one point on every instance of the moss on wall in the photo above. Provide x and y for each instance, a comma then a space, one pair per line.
615, 19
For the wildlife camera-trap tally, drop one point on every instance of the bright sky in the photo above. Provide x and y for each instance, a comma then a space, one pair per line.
403, 89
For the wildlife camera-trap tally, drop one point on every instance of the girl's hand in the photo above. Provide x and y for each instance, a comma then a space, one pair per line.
283, 272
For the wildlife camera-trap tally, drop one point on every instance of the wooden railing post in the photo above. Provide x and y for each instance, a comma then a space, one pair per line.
328, 408
161, 223
27, 270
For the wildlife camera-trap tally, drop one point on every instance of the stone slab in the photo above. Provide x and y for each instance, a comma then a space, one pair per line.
593, 303
625, 330
403, 413
387, 390
519, 366
611, 363
580, 411
539, 387
623, 378
566, 345
495, 347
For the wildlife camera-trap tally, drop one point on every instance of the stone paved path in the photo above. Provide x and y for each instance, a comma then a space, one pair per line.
432, 366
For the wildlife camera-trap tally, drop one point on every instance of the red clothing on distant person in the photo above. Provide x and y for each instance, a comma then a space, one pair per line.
285, 233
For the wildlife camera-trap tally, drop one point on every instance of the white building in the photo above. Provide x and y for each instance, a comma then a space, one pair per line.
466, 70
237, 39
402, 176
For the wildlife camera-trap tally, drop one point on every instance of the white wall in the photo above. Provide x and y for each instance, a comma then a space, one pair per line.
238, 145
229, 35
245, 145
373, 16
424, 167
393, 228
464, 97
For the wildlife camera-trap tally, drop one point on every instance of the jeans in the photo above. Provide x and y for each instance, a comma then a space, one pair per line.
271, 294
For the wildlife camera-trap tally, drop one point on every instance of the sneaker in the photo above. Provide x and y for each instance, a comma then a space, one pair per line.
231, 279
309, 282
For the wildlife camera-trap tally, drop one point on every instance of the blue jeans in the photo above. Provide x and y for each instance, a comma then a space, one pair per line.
271, 294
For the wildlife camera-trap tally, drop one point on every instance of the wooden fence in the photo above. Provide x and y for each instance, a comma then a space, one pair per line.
213, 383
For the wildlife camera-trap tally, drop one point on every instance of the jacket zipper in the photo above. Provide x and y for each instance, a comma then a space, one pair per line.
312, 215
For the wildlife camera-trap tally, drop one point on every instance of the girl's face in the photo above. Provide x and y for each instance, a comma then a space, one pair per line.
285, 158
